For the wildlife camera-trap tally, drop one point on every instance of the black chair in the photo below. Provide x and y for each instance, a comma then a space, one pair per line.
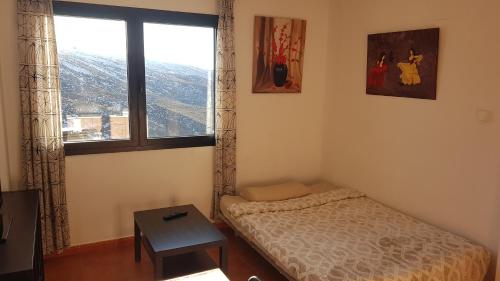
254, 278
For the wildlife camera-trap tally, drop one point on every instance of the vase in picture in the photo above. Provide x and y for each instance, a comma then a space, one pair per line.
280, 72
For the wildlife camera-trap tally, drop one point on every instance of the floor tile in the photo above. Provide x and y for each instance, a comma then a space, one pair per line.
115, 262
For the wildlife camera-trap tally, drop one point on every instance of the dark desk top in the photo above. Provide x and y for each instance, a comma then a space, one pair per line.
16, 254
184, 233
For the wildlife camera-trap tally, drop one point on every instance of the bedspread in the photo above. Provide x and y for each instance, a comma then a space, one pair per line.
343, 235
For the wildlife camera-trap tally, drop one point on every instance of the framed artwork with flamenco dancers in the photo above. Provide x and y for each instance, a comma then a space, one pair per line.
278, 55
403, 64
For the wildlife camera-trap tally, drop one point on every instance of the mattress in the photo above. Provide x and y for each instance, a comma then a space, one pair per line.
342, 235
226, 201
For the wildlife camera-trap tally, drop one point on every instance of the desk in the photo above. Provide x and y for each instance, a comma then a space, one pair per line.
21, 256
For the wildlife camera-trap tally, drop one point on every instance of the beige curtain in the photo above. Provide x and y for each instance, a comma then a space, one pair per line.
225, 99
41, 117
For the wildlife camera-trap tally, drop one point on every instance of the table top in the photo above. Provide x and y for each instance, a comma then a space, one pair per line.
16, 254
209, 275
182, 234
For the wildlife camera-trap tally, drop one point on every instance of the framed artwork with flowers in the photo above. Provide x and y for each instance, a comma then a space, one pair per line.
403, 64
278, 54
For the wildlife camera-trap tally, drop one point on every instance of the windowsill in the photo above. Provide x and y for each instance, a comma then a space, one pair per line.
158, 144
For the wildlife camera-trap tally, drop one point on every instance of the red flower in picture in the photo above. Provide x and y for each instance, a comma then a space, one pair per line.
281, 44
278, 54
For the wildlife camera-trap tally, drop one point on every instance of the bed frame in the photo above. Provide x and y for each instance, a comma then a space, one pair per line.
256, 247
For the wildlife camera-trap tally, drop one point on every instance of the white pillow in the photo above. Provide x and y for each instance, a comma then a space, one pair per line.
321, 186
275, 192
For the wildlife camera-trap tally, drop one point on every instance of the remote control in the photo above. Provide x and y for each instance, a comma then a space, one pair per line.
174, 215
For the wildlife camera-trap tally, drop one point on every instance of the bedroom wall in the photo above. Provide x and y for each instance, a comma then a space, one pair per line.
279, 136
4, 158
10, 141
432, 159
498, 266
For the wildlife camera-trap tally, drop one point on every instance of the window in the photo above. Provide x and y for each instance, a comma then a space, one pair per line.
93, 73
134, 79
182, 106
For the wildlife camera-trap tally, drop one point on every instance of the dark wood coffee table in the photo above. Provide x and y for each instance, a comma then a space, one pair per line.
177, 247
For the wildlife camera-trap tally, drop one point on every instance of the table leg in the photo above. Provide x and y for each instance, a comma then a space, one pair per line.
137, 242
223, 257
158, 268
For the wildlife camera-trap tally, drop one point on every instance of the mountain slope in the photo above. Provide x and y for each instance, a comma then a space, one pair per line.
176, 94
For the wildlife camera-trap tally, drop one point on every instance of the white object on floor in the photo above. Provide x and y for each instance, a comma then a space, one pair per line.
209, 275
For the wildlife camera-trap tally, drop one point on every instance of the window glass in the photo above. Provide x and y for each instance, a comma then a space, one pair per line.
179, 68
93, 72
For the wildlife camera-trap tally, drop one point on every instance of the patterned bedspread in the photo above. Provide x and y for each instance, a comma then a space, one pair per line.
343, 235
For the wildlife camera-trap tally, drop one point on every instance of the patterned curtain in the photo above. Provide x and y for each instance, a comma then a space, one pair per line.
225, 111
43, 150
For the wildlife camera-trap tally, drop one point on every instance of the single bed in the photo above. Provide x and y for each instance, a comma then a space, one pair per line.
340, 234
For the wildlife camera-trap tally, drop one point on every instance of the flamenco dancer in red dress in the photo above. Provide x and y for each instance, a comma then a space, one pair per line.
377, 73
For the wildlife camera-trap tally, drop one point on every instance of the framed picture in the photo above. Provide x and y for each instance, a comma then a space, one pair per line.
403, 64
278, 54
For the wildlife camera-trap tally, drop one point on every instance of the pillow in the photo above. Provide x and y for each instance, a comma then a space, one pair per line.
275, 192
321, 186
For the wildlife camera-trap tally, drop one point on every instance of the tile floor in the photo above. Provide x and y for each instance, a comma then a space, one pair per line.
116, 262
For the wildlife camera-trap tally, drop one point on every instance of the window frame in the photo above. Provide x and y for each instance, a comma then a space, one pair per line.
135, 19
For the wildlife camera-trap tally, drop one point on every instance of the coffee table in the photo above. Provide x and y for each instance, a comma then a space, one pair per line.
177, 247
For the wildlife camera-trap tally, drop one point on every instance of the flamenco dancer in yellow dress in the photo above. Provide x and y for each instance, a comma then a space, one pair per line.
409, 71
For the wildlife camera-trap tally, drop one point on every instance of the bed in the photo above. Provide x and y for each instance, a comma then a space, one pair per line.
340, 234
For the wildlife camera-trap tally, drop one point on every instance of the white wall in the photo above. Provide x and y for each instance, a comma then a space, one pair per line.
10, 138
498, 266
279, 136
432, 159
4, 157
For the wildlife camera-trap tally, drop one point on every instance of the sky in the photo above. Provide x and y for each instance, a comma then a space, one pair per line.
162, 42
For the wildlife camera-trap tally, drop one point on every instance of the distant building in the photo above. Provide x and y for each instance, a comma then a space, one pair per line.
119, 126
83, 128
91, 127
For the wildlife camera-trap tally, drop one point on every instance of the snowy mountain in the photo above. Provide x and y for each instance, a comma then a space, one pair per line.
176, 94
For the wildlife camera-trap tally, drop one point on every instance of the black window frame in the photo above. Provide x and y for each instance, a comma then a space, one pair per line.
135, 19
